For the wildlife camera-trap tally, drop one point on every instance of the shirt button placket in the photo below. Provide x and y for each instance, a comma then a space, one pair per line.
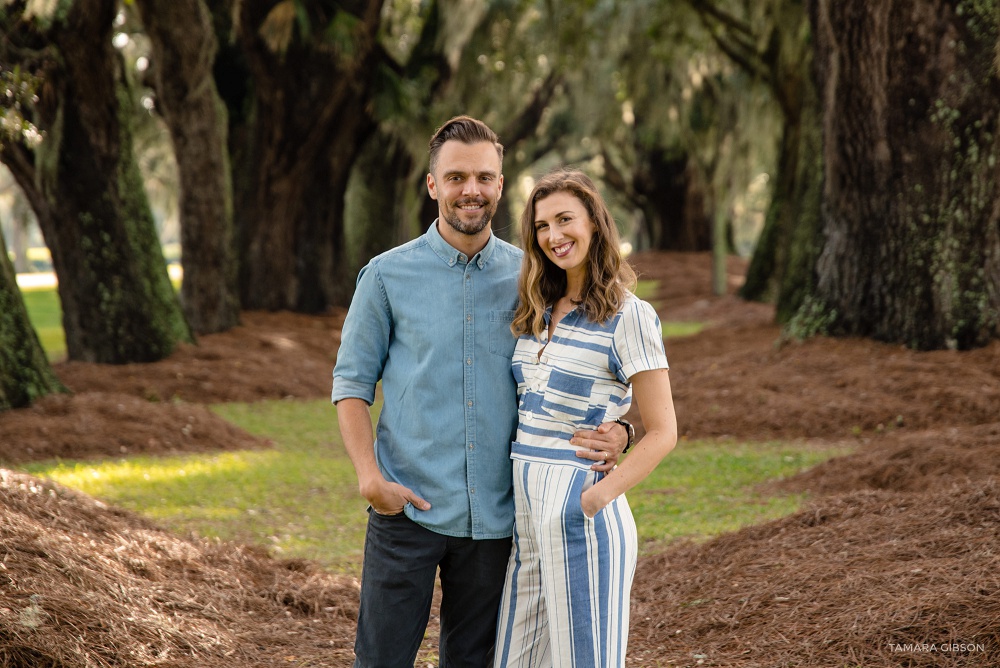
470, 394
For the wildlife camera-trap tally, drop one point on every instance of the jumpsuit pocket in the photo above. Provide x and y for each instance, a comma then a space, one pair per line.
590, 479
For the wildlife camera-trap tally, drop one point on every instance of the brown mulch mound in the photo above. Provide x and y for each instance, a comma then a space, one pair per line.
868, 579
269, 356
82, 584
907, 462
98, 424
897, 553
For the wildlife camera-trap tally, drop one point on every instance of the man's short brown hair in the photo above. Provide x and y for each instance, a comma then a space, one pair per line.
467, 130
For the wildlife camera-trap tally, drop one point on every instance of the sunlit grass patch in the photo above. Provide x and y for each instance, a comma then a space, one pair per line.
676, 330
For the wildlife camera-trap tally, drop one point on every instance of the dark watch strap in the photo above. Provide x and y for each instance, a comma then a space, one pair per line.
631, 433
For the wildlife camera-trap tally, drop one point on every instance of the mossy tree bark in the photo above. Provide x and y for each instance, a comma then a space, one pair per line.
911, 198
183, 52
85, 187
25, 373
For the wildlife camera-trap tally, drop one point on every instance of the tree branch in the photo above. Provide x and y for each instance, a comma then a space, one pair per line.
735, 38
524, 124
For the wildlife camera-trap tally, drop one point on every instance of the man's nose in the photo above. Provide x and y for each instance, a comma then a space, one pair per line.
471, 187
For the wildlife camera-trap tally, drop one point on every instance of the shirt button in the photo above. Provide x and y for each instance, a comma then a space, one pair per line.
472, 446
469, 361
470, 404
468, 318
472, 491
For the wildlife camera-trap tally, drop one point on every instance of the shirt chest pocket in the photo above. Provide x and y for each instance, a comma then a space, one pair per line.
568, 397
502, 341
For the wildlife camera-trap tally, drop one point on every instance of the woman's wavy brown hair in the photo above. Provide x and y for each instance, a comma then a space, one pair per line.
542, 283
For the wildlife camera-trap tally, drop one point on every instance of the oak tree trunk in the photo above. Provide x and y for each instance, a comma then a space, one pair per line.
311, 115
782, 269
25, 373
676, 204
183, 52
911, 198
87, 192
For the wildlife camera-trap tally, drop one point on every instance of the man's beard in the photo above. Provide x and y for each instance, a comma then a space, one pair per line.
474, 227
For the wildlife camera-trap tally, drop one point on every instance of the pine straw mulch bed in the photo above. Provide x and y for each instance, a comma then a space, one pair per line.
901, 554
99, 424
866, 579
82, 584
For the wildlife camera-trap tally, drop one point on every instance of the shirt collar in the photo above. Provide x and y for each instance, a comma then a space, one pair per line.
451, 255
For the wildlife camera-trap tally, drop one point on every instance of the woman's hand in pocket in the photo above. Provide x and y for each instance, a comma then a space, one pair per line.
591, 501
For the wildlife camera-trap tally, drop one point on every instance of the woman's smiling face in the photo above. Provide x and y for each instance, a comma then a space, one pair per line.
564, 231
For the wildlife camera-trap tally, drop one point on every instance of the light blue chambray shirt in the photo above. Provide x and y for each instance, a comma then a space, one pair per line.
434, 326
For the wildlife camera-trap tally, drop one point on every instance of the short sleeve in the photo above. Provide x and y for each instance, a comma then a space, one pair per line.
638, 341
364, 344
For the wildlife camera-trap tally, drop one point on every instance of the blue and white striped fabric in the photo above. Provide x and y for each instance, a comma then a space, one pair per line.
566, 599
579, 379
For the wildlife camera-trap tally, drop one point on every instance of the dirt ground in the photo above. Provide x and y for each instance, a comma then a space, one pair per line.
896, 562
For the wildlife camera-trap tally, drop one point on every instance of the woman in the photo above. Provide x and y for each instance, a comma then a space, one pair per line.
586, 345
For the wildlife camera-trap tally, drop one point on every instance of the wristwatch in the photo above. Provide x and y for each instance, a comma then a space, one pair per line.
631, 433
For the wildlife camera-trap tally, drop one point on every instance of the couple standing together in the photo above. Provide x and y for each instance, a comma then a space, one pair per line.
488, 355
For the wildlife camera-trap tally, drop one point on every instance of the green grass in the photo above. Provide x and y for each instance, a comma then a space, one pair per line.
300, 498
675, 330
646, 289
45, 314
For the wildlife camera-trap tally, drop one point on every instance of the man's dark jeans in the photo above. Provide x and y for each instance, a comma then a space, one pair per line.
397, 585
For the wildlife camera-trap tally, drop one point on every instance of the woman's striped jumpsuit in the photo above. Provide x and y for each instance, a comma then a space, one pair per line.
566, 599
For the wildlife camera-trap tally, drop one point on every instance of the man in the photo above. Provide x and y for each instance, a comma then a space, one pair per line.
431, 320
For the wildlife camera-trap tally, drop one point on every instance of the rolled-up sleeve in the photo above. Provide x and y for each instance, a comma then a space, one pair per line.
638, 341
364, 342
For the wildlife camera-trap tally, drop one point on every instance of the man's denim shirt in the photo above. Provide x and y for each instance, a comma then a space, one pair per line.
434, 326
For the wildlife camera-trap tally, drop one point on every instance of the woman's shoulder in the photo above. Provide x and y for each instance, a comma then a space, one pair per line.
634, 305
636, 314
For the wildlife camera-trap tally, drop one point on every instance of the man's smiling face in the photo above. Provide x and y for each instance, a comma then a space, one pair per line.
467, 184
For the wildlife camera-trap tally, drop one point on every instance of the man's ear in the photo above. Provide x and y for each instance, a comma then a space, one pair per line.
431, 186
